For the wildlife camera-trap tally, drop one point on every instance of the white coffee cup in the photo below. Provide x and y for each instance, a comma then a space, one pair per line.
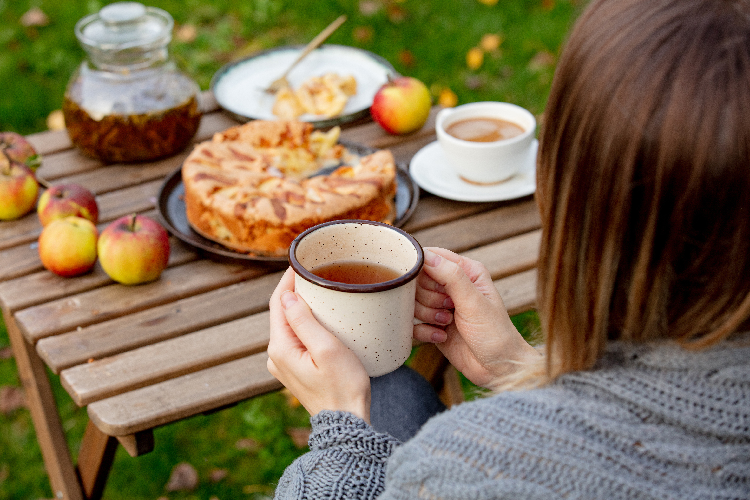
486, 162
374, 320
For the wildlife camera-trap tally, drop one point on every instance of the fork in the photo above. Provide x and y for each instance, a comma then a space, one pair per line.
282, 82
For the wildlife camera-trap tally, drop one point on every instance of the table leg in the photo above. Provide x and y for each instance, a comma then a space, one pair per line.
95, 461
44, 414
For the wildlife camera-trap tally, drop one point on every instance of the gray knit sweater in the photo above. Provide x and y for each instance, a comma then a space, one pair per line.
652, 422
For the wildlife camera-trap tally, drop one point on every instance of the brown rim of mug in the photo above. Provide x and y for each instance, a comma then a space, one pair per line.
352, 288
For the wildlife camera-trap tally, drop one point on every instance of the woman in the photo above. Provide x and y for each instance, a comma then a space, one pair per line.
643, 388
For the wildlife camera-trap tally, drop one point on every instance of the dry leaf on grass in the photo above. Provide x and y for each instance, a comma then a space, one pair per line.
184, 477
299, 435
11, 399
474, 58
6, 353
34, 17
542, 60
447, 98
247, 444
217, 475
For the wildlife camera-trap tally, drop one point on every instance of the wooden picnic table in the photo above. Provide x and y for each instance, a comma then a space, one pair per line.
194, 341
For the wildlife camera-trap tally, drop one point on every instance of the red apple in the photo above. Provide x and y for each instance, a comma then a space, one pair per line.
62, 200
67, 247
401, 105
17, 149
134, 249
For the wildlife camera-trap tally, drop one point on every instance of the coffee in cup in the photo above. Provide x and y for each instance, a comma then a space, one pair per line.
359, 279
486, 142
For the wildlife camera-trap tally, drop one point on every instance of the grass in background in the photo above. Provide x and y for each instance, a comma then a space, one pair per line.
241, 452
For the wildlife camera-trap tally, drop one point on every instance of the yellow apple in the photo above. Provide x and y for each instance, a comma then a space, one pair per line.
67, 246
63, 200
18, 190
134, 249
401, 105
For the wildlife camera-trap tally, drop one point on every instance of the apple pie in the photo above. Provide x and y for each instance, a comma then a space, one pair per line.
252, 187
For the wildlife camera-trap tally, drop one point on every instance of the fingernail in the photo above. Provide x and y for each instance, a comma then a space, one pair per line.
288, 298
431, 258
443, 317
448, 303
439, 336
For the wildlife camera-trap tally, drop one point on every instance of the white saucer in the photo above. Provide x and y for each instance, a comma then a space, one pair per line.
431, 171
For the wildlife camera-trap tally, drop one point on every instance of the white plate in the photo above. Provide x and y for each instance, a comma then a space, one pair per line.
431, 171
238, 87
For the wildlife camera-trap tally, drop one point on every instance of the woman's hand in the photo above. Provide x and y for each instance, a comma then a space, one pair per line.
478, 338
310, 361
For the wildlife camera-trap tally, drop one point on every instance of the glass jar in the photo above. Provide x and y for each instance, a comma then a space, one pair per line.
129, 102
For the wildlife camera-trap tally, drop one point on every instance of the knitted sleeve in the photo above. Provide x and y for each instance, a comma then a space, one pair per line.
347, 460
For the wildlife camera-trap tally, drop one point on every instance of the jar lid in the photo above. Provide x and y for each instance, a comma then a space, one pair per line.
125, 25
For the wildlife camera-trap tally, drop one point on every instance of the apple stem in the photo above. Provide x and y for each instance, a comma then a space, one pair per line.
132, 223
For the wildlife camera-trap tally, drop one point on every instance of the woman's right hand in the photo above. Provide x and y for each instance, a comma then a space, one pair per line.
479, 338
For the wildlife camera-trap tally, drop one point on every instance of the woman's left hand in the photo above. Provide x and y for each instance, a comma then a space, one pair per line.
310, 361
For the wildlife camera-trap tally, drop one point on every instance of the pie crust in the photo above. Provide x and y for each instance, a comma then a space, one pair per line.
252, 188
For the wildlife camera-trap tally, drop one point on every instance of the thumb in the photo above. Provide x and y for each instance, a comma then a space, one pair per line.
457, 275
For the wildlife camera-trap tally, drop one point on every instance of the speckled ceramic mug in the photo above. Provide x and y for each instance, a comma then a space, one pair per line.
373, 320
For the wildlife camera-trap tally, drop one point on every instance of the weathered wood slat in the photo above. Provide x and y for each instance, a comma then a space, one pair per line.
43, 286
184, 396
158, 323
168, 359
115, 300
483, 228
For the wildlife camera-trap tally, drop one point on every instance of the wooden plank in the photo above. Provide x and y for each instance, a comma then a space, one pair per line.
43, 286
139, 443
50, 142
510, 256
157, 324
483, 228
116, 300
518, 291
184, 396
171, 358
41, 403
433, 210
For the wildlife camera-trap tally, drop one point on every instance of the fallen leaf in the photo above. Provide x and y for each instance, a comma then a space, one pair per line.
217, 475
474, 82
247, 444
184, 477
186, 33
491, 42
548, 4
56, 120
11, 399
541, 60
6, 353
299, 435
488, 2
406, 58
474, 58
447, 98
363, 34
369, 8
34, 17
396, 13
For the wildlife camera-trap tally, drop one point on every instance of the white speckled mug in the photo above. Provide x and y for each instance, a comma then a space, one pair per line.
374, 320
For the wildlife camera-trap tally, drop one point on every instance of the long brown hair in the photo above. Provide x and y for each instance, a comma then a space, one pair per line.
644, 179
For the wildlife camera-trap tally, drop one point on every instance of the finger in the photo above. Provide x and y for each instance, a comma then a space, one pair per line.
433, 299
433, 316
429, 333
472, 268
308, 330
424, 281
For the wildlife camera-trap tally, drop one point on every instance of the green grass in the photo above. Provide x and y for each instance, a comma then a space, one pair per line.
427, 39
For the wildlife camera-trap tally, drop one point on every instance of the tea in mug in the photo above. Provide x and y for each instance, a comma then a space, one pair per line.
355, 273
484, 129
